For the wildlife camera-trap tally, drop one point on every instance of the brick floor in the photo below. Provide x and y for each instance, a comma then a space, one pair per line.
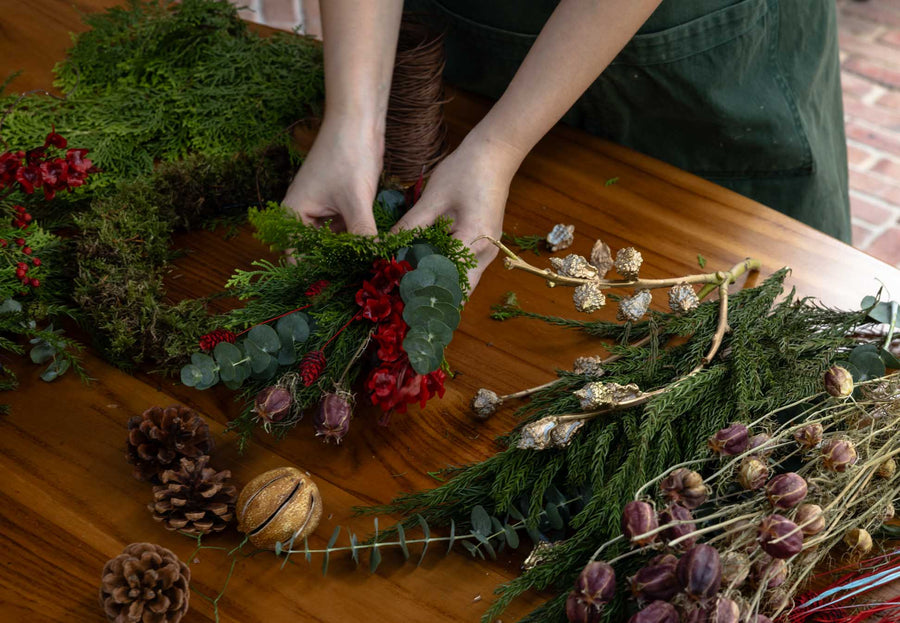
870, 58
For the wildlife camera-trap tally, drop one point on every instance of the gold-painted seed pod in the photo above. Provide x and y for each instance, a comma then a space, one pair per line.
279, 505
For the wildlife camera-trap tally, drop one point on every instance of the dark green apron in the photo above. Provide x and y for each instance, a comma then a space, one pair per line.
745, 93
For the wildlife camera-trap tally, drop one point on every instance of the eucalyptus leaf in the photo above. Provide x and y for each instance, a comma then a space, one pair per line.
10, 306
486, 544
553, 516
233, 385
354, 550
259, 360
426, 536
422, 355
293, 328
435, 294
443, 268
889, 359
450, 315
415, 280
440, 333
242, 371
419, 311
401, 537
392, 200
227, 353
374, 559
278, 548
265, 337
42, 353
473, 549
56, 369
287, 355
452, 538
879, 312
512, 537
269, 372
191, 375
481, 521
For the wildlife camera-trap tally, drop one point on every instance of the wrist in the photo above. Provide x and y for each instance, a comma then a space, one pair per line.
500, 154
361, 133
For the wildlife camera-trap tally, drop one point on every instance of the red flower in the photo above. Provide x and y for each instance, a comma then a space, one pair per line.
388, 274
36, 155
55, 176
56, 140
29, 177
9, 166
78, 162
376, 305
389, 337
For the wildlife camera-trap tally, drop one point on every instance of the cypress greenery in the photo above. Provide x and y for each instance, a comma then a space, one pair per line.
775, 353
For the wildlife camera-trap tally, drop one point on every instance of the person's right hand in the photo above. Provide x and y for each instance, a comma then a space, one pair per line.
339, 178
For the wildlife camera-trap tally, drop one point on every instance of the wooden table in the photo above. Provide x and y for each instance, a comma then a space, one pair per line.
67, 499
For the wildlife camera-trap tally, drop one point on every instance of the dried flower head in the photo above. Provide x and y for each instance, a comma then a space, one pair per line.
731, 440
735, 568
655, 582
679, 524
560, 237
273, 404
838, 455
752, 473
485, 403
786, 490
700, 572
633, 308
588, 297
594, 588
725, 611
780, 537
639, 518
628, 263
859, 541
887, 469
838, 382
809, 436
760, 446
682, 299
590, 366
770, 572
810, 519
685, 487
332, 420
656, 612
573, 265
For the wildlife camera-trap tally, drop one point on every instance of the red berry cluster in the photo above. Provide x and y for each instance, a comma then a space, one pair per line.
393, 384
42, 167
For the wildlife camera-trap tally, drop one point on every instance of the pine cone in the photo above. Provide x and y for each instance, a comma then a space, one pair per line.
159, 438
311, 366
194, 499
146, 583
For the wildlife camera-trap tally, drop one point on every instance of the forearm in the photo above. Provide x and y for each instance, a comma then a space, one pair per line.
577, 43
360, 42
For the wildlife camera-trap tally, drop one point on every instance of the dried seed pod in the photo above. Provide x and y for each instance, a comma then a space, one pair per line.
682, 298
685, 487
838, 382
590, 366
588, 297
595, 395
560, 237
573, 265
628, 263
594, 588
810, 518
656, 612
886, 469
632, 308
639, 518
693, 613
675, 514
752, 473
655, 582
700, 572
859, 541
760, 446
888, 513
332, 420
485, 403
666, 560
786, 490
770, 571
273, 404
725, 611
777, 600
780, 537
731, 440
279, 505
809, 436
578, 611
601, 258
838, 455
735, 568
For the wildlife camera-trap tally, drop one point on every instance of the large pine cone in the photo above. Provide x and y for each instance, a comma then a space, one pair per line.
159, 438
194, 499
146, 583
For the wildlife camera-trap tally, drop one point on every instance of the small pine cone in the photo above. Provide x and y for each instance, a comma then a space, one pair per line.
589, 365
146, 582
628, 262
573, 266
633, 308
589, 297
682, 298
194, 499
560, 237
209, 341
601, 258
311, 367
160, 437
316, 288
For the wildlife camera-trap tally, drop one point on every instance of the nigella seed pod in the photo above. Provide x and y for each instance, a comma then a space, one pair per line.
700, 572
725, 611
577, 611
735, 568
731, 440
859, 541
780, 537
332, 420
886, 470
666, 560
777, 600
838, 455
810, 519
752, 473
888, 514
273, 404
655, 582
657, 612
760, 446
676, 515
786, 490
809, 436
838, 382
694, 614
596, 584
684, 487
639, 518
770, 571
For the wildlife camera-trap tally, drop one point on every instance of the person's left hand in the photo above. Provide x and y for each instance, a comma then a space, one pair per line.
470, 186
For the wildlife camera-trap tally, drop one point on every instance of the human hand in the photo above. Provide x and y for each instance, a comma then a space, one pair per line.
470, 186
339, 178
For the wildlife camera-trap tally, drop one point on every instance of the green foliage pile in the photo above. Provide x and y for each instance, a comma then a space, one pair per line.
159, 80
774, 354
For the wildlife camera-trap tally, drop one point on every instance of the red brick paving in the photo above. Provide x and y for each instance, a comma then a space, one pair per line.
870, 57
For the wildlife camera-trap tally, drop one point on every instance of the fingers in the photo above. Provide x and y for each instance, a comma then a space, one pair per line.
420, 215
361, 221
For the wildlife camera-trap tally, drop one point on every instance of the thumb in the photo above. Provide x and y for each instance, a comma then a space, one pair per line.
420, 215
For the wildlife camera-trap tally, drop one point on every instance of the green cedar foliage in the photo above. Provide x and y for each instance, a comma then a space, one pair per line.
156, 81
775, 353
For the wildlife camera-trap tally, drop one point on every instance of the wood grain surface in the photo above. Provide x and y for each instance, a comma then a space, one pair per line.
68, 501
